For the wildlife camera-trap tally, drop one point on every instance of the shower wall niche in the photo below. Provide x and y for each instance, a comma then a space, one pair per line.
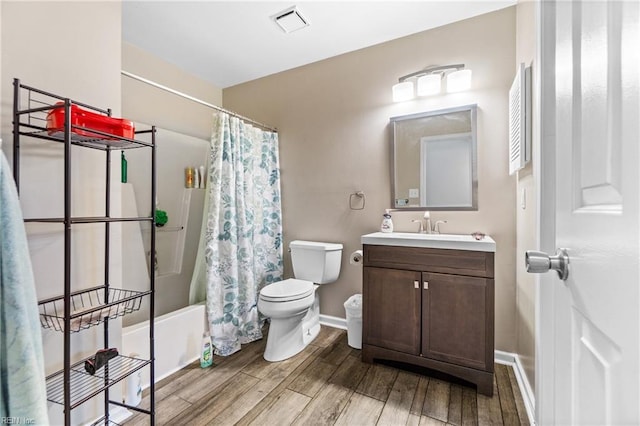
177, 241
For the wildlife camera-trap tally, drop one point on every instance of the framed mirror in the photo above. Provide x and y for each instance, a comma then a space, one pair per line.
434, 160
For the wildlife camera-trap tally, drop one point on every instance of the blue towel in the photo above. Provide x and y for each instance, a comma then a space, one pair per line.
23, 398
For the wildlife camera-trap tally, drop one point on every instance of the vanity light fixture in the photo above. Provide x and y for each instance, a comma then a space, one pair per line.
459, 81
403, 91
429, 82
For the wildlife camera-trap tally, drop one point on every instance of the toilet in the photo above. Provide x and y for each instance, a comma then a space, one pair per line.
292, 304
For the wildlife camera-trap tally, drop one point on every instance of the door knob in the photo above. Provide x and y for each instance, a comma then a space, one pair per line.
539, 262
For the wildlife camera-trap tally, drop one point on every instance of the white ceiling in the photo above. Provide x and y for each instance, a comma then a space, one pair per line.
228, 43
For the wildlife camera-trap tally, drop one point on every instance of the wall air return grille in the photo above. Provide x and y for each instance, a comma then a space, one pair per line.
520, 120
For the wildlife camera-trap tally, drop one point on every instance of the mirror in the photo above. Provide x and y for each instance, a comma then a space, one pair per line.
434, 160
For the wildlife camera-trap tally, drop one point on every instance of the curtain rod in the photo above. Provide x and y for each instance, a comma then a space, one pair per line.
200, 101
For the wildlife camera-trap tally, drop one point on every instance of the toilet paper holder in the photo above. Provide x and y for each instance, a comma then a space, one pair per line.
356, 257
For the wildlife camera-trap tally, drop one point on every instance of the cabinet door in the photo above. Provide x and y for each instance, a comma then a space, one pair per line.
457, 324
391, 309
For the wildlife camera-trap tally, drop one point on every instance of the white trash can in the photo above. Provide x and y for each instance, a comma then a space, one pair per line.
353, 306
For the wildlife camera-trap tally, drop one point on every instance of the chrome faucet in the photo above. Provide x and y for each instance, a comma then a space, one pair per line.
436, 227
427, 222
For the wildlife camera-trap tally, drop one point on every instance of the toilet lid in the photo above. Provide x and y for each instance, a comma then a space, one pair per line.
291, 289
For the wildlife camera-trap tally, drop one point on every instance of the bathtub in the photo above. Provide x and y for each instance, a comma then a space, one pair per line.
177, 335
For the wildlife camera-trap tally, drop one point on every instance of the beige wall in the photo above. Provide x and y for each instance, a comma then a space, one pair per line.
147, 104
144, 103
526, 214
333, 120
71, 49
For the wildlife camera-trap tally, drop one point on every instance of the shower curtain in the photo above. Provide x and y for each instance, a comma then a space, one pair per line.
240, 247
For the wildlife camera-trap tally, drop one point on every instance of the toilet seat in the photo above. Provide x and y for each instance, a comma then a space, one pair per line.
287, 290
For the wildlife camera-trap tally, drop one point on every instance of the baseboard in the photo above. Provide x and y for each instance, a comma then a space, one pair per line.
513, 360
335, 322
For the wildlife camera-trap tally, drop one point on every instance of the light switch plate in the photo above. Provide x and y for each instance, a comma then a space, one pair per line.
413, 193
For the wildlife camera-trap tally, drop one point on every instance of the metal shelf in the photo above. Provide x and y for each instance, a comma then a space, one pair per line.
100, 421
84, 386
89, 308
32, 122
86, 308
102, 141
90, 219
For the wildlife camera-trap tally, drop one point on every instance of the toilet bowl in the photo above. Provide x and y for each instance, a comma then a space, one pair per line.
292, 304
291, 328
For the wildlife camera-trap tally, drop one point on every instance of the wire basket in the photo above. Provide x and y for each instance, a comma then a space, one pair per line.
89, 307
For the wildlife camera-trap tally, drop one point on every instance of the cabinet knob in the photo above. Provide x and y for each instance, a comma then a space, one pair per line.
416, 284
425, 285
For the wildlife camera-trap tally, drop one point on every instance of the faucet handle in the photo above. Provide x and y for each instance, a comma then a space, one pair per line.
436, 227
421, 228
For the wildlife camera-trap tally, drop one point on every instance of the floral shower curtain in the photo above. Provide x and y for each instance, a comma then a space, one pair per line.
241, 240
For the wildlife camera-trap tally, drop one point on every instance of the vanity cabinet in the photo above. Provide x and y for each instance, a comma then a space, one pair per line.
394, 308
430, 307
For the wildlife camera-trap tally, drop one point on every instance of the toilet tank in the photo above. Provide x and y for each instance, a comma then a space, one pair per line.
316, 262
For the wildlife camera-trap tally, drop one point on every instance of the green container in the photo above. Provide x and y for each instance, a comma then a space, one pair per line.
123, 168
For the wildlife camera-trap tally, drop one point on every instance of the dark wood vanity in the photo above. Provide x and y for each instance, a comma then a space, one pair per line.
432, 308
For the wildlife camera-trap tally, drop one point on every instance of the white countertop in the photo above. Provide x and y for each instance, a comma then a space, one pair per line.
437, 241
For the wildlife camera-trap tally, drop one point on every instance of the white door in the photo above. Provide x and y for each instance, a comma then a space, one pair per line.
588, 353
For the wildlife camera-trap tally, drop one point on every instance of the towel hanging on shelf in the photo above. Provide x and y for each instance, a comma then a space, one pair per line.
22, 377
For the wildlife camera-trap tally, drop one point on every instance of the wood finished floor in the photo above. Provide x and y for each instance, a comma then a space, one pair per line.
326, 384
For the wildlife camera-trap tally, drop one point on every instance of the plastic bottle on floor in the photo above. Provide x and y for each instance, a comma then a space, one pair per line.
206, 357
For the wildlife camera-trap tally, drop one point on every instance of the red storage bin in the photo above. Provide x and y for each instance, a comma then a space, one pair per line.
118, 127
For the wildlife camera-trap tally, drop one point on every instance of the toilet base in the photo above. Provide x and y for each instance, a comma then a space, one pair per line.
289, 336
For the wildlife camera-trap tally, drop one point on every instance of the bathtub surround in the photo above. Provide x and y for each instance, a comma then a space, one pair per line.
240, 248
134, 255
176, 242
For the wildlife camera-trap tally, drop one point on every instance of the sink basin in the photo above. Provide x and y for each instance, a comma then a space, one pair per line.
438, 241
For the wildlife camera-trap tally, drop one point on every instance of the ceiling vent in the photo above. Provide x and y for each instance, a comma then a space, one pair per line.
290, 20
